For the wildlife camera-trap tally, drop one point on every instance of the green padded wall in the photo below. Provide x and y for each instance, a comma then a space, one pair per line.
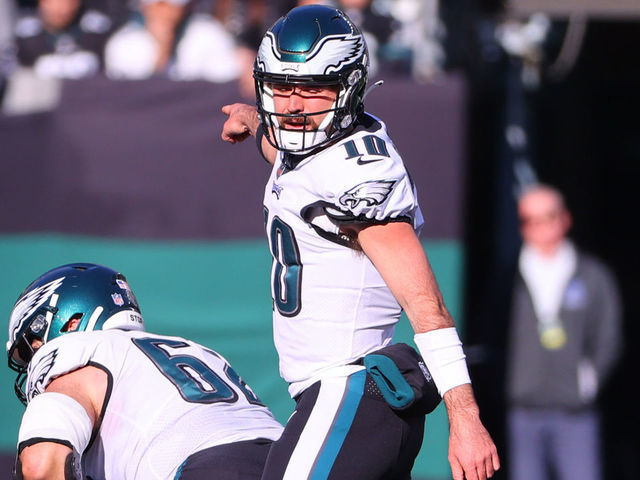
213, 293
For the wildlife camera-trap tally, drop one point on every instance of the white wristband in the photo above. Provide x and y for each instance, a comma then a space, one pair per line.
442, 351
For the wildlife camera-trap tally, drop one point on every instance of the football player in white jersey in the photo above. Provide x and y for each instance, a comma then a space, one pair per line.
342, 220
108, 400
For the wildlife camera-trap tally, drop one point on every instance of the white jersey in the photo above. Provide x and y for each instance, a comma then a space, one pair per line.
331, 306
167, 398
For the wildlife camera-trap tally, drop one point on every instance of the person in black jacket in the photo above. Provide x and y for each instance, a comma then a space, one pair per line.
62, 39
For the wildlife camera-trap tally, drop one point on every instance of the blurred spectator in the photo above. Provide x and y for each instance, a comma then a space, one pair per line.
170, 38
375, 26
62, 39
53, 40
7, 16
564, 338
413, 47
255, 16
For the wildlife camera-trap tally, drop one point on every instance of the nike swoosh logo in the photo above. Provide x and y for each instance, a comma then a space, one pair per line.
364, 162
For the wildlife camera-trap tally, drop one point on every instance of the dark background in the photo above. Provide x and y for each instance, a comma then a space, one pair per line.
584, 138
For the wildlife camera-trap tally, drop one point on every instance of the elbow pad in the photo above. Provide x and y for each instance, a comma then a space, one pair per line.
58, 418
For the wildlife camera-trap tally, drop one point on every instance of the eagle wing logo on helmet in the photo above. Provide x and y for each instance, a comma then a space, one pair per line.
27, 305
335, 52
330, 54
373, 192
39, 372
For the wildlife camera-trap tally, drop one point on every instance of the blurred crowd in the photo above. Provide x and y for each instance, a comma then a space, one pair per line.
43, 42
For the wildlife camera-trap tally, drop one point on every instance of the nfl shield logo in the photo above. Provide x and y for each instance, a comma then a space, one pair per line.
117, 299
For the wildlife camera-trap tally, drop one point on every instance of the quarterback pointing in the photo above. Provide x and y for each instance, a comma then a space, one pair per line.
108, 400
342, 222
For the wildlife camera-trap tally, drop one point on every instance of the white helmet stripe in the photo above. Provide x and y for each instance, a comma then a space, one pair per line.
94, 318
49, 317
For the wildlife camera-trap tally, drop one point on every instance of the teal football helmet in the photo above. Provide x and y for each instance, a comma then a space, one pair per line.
85, 295
312, 45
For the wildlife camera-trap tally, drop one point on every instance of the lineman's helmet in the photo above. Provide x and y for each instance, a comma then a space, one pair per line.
96, 296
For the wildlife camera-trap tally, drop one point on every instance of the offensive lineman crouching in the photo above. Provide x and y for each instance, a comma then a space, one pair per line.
108, 400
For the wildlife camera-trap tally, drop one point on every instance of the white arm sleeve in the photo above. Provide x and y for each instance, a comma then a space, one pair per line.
442, 351
55, 417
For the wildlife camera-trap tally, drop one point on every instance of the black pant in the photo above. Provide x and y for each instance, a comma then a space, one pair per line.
233, 461
342, 429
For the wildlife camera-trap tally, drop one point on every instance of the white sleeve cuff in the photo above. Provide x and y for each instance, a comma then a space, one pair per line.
57, 417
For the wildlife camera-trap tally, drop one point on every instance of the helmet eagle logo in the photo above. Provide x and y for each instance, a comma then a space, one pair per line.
29, 303
327, 56
337, 51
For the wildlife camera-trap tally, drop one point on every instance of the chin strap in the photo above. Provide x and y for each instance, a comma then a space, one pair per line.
371, 87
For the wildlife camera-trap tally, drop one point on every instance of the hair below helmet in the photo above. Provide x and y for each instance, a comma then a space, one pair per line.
312, 45
74, 297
